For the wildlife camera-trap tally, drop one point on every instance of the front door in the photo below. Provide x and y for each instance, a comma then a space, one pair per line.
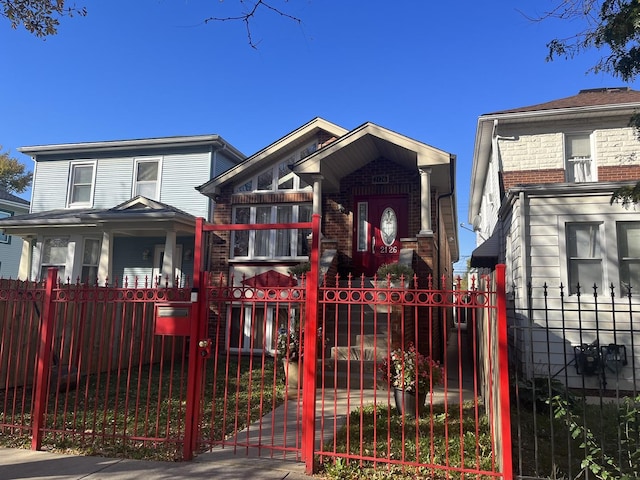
379, 224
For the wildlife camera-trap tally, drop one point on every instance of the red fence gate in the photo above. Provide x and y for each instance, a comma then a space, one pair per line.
125, 371
341, 334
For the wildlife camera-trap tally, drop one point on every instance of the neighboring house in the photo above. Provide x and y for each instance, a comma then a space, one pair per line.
10, 247
542, 181
121, 211
382, 197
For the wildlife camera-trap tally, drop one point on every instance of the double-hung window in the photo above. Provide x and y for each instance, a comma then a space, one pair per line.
81, 183
90, 260
147, 176
54, 254
628, 234
578, 159
266, 244
584, 256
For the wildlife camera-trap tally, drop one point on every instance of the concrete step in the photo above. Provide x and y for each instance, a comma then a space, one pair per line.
358, 353
379, 340
347, 374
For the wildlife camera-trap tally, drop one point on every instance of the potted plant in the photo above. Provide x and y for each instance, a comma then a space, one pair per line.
300, 269
289, 347
411, 375
392, 273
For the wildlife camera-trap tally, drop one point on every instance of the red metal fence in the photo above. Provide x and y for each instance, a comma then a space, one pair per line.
168, 373
84, 368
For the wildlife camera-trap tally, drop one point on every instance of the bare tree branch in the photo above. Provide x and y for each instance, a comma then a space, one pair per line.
248, 16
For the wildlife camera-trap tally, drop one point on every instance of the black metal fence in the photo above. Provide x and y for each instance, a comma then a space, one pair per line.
575, 366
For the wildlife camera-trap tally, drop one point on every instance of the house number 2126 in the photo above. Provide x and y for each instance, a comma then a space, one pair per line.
388, 249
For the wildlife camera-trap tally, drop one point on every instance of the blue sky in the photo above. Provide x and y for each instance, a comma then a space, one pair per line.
150, 68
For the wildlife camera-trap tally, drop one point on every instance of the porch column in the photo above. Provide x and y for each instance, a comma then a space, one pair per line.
425, 201
105, 265
317, 194
24, 270
168, 260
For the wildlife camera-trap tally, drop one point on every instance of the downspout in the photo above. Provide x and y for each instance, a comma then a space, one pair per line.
452, 174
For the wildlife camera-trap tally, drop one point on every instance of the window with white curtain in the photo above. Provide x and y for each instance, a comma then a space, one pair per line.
578, 159
281, 243
584, 256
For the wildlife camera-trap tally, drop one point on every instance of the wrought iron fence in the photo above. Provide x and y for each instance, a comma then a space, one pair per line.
575, 366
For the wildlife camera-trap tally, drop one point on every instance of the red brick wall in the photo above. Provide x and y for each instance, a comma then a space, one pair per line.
401, 182
526, 177
618, 174
605, 174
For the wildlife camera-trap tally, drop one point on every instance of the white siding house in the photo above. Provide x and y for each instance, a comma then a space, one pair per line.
543, 177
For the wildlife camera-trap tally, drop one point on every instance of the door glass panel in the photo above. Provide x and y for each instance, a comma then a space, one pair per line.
363, 231
388, 226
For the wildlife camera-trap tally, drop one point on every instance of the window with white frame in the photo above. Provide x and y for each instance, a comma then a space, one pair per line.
4, 238
54, 254
255, 328
584, 256
81, 183
90, 260
279, 177
579, 165
271, 243
628, 235
147, 178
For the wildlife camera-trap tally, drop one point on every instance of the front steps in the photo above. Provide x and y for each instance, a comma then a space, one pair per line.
358, 345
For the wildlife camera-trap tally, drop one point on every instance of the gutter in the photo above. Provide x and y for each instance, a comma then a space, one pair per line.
452, 175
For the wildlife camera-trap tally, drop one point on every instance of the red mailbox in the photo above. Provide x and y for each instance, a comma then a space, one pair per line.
173, 318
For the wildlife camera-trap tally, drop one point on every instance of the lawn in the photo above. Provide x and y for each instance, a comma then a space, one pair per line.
103, 415
435, 440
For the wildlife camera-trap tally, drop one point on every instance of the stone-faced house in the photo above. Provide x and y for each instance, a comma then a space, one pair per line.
542, 182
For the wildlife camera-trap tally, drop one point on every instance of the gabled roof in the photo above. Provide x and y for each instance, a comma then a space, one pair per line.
289, 142
366, 143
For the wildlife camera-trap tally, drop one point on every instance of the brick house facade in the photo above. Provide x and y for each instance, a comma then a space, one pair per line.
349, 178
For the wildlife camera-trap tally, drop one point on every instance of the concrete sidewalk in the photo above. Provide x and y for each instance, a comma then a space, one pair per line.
22, 464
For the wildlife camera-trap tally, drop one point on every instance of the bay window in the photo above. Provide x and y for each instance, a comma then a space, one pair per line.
271, 243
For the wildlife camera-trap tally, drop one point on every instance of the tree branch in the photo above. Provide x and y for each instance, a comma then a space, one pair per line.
248, 16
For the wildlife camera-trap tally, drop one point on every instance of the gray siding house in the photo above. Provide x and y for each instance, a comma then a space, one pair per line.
118, 211
10, 246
